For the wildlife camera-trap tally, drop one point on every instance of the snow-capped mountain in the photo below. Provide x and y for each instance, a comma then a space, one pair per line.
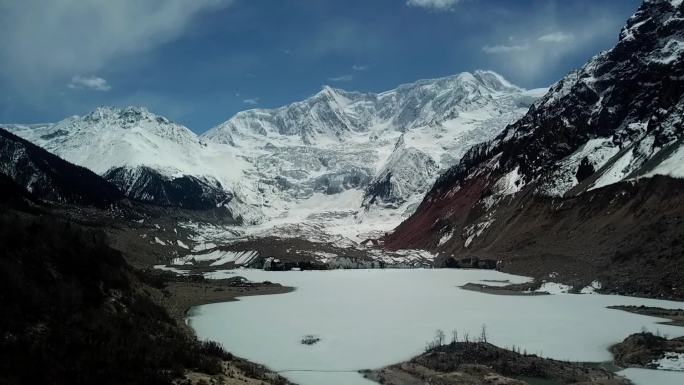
147, 156
576, 176
333, 115
355, 157
384, 149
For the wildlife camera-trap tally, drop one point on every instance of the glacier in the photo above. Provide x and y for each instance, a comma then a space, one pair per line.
349, 164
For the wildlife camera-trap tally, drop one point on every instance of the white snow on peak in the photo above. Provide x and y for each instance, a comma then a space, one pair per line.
112, 137
312, 160
334, 115
307, 165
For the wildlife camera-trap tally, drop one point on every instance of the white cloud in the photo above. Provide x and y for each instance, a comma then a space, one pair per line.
439, 5
90, 82
251, 101
556, 37
533, 46
46, 42
502, 48
360, 67
343, 78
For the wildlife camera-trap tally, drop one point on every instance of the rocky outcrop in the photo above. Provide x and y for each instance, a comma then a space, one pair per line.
481, 363
148, 185
645, 350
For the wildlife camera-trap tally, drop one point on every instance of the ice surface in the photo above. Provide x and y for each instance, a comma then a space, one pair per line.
653, 377
371, 318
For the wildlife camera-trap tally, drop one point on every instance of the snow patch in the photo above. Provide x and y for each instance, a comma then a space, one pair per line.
509, 184
171, 269
592, 288
670, 361
446, 237
475, 230
219, 257
553, 288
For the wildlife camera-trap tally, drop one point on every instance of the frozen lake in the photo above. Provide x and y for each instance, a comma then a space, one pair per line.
372, 318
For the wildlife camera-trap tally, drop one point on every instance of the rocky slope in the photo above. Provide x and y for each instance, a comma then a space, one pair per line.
586, 184
47, 177
149, 185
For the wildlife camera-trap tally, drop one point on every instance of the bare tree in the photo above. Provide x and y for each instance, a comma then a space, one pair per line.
437, 341
439, 337
483, 333
454, 336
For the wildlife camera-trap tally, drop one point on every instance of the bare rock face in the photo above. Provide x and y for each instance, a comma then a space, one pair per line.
148, 185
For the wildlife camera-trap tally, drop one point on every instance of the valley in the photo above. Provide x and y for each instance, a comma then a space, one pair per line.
459, 230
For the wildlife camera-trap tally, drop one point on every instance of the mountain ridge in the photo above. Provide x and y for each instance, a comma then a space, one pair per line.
612, 126
274, 164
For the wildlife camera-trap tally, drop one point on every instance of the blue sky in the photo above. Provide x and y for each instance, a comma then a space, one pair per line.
199, 62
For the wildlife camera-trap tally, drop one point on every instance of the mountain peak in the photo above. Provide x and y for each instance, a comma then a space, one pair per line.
128, 114
326, 89
495, 81
333, 114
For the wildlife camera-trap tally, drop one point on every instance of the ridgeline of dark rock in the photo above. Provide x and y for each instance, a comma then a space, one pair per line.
48, 177
148, 185
570, 187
